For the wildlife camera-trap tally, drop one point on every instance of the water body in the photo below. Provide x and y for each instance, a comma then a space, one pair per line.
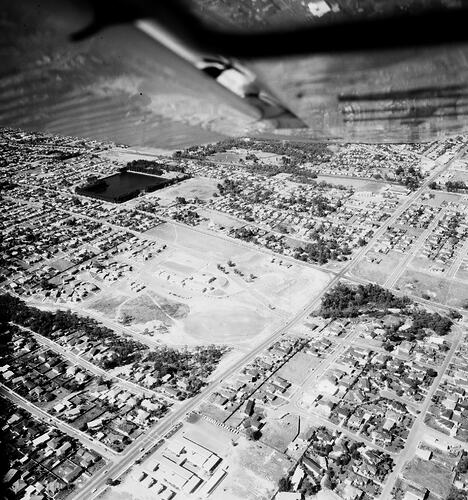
124, 186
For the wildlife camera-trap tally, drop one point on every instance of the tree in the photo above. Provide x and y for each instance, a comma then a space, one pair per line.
462, 466
252, 434
456, 494
284, 484
362, 242
455, 314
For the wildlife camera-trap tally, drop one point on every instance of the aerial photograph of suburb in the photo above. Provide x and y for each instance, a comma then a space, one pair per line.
234, 250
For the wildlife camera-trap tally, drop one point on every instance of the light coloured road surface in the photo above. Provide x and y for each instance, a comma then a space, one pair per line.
355, 437
145, 442
458, 260
418, 428
78, 360
46, 417
429, 303
399, 270
134, 451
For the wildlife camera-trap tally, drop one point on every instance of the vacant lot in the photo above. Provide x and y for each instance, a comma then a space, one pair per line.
61, 264
434, 288
462, 272
253, 473
225, 322
173, 309
280, 431
430, 475
223, 292
238, 154
441, 197
357, 184
379, 270
197, 187
108, 304
143, 309
298, 367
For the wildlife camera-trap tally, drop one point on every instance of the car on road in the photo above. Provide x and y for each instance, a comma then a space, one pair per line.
94, 490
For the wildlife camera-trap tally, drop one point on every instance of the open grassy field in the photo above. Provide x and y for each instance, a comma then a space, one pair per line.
233, 293
376, 271
237, 154
462, 272
433, 287
108, 304
442, 197
143, 309
218, 219
279, 431
357, 184
431, 475
202, 188
298, 367
207, 289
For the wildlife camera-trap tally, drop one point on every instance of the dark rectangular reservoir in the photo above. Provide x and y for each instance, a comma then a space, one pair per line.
123, 186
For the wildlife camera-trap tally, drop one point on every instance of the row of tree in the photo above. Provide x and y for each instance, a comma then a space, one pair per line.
296, 152
151, 167
451, 186
194, 364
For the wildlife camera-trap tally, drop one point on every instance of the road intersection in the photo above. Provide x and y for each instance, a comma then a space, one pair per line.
122, 462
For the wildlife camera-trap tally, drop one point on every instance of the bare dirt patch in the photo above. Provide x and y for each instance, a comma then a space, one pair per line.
226, 322
108, 304
175, 310
198, 187
254, 472
279, 432
142, 309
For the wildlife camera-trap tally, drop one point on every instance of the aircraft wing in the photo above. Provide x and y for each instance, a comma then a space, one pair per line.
134, 74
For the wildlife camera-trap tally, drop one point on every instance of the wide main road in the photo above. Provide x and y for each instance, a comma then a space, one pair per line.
122, 463
40, 414
417, 430
146, 441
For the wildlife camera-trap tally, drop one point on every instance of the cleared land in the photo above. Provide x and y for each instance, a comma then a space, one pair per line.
205, 289
381, 267
198, 187
279, 431
254, 472
298, 368
357, 184
439, 289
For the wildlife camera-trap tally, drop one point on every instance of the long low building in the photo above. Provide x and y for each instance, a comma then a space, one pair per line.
195, 453
173, 473
214, 481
